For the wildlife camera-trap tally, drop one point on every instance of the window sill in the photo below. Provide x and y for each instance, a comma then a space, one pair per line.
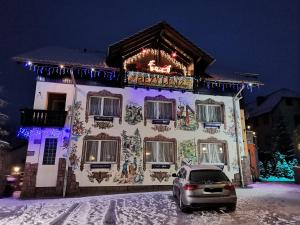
212, 124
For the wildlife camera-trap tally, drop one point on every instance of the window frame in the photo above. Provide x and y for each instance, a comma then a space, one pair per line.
44, 160
103, 94
100, 137
99, 149
210, 102
160, 138
213, 140
102, 105
157, 151
162, 99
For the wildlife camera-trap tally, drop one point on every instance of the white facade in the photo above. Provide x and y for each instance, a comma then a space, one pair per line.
140, 173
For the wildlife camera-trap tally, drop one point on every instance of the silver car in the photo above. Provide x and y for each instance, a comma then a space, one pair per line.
203, 186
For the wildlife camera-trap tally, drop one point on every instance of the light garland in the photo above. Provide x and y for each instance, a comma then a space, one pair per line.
64, 70
152, 51
26, 132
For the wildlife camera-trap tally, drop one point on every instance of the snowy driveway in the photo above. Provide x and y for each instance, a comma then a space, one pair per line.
261, 204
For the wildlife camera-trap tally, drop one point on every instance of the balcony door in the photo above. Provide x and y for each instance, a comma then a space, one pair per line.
56, 101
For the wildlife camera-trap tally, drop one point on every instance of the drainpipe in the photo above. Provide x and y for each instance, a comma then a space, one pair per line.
71, 130
237, 98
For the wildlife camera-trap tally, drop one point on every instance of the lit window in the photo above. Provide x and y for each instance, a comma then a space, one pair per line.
211, 153
160, 152
101, 151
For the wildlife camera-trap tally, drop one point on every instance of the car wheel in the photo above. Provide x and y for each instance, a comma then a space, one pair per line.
182, 207
174, 192
231, 208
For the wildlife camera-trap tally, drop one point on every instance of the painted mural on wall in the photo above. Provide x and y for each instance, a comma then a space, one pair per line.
99, 176
211, 130
230, 131
73, 158
187, 152
133, 113
78, 128
131, 160
160, 176
160, 128
186, 118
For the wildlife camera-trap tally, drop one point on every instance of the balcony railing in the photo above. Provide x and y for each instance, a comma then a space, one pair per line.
42, 118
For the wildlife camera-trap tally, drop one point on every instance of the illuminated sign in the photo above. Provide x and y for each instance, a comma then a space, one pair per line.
158, 69
158, 80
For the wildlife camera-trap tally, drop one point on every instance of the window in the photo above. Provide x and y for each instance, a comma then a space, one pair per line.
212, 153
56, 101
104, 106
209, 113
207, 176
101, 151
160, 152
50, 151
159, 110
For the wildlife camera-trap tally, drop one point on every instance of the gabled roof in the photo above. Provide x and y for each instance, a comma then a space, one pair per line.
161, 34
270, 102
64, 56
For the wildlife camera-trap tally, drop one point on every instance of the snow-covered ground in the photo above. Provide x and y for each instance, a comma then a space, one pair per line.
261, 203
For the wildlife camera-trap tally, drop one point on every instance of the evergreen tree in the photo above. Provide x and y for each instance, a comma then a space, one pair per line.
3, 133
269, 169
281, 140
262, 170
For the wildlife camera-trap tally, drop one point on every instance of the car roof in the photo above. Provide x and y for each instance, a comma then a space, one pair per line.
201, 167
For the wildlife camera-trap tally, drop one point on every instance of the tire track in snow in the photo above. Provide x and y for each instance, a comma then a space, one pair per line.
110, 217
60, 219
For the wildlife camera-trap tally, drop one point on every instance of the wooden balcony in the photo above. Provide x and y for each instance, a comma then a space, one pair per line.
42, 118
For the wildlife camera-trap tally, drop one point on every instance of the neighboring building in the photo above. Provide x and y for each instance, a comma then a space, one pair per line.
273, 116
138, 114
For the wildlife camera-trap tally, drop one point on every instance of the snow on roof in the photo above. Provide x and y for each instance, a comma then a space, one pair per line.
270, 102
58, 55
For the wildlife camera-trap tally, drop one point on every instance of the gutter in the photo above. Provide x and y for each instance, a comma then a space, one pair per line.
71, 131
237, 98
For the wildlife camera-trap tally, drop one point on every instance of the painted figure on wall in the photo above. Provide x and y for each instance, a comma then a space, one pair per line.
133, 114
186, 118
132, 171
187, 153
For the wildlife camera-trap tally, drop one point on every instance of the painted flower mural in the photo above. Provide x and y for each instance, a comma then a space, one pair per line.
74, 159
187, 152
186, 118
133, 114
132, 168
78, 128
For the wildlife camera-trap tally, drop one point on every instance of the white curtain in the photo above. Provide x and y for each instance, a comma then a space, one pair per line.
214, 113
159, 151
159, 110
202, 113
108, 151
95, 106
165, 110
211, 153
209, 113
152, 108
111, 107
91, 151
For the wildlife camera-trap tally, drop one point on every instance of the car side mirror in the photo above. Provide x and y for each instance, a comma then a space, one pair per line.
174, 175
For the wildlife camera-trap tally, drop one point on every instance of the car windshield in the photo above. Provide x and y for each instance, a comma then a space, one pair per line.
207, 176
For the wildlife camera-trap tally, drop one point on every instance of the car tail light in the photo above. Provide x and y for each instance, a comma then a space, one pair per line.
229, 187
190, 187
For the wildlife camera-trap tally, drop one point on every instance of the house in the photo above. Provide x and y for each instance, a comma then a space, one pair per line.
276, 115
128, 120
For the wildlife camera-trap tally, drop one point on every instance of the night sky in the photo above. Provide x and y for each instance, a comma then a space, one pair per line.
258, 36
